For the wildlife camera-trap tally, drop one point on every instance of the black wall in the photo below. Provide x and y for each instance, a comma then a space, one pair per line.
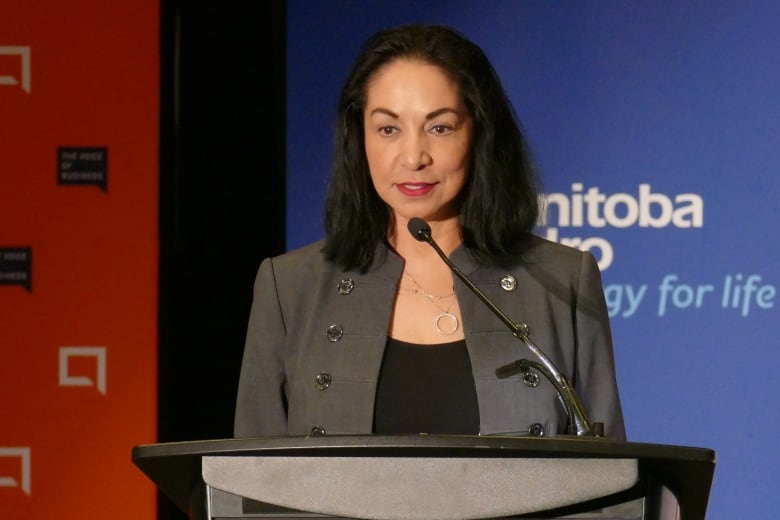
222, 193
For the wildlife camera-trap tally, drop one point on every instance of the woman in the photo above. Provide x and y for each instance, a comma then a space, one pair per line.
367, 331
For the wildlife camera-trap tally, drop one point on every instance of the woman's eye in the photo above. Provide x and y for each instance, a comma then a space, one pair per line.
441, 129
387, 130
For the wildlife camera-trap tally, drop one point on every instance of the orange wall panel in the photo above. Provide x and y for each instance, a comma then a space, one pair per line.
78, 347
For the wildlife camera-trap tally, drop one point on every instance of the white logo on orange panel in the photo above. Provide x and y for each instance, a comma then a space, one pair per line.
24, 480
99, 353
24, 56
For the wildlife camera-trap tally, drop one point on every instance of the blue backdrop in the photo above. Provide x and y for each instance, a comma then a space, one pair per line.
656, 128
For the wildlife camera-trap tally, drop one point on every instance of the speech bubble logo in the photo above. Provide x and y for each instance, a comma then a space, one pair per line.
24, 78
82, 166
24, 480
16, 266
99, 353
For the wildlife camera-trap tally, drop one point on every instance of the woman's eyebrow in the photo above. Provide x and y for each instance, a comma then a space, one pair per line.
432, 115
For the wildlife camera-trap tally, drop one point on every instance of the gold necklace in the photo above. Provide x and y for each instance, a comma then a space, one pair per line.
445, 314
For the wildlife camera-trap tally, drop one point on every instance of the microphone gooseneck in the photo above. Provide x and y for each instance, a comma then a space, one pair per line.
579, 421
422, 232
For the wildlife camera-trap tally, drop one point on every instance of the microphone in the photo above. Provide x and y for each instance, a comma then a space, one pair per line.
579, 421
420, 230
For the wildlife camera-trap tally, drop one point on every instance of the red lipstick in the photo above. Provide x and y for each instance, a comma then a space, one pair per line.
415, 189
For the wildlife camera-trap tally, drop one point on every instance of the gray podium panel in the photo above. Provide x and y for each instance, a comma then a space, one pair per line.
430, 477
411, 488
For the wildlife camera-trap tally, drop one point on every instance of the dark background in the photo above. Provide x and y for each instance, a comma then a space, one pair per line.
222, 193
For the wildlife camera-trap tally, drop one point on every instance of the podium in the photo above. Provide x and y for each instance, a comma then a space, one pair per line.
426, 477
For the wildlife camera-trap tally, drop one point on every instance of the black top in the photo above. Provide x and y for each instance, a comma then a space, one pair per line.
426, 389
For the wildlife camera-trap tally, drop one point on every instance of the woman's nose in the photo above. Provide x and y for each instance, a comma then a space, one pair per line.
415, 154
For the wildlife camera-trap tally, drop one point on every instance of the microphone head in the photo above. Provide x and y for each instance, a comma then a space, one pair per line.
419, 229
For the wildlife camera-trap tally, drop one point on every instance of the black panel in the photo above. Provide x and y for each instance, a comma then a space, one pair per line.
222, 193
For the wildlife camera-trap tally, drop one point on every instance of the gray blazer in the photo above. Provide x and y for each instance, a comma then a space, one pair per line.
317, 335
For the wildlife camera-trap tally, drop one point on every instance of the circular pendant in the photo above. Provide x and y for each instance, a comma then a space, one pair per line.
450, 323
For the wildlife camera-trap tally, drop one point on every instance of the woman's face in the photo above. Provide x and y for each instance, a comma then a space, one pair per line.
418, 136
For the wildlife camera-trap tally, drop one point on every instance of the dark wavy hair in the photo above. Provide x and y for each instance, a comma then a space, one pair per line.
498, 204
